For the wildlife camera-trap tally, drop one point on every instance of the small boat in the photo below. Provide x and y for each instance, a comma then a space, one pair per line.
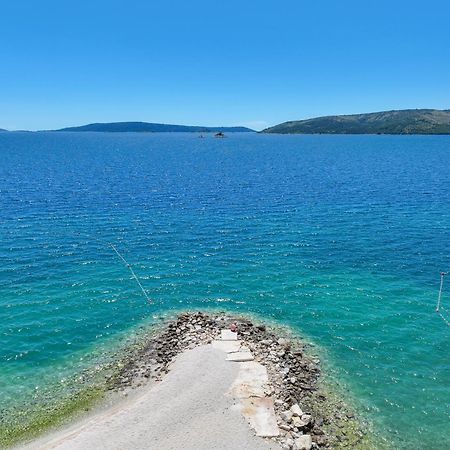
219, 135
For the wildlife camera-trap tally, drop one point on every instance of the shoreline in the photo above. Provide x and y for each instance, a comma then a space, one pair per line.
294, 378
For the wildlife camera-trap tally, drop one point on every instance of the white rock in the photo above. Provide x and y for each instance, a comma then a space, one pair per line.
297, 422
296, 411
290, 443
303, 442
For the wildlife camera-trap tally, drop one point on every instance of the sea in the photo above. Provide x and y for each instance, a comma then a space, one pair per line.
340, 238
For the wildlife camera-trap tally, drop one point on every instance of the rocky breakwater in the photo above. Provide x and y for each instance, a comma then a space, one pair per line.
307, 417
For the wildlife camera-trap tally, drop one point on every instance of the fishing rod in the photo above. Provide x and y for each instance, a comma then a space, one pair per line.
131, 270
438, 306
126, 263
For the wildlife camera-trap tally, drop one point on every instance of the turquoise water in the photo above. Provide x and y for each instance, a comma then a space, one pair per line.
340, 237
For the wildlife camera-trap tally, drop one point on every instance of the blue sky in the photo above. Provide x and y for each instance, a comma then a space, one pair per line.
253, 63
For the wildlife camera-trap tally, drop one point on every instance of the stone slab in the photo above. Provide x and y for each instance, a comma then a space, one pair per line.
251, 381
228, 335
244, 348
240, 356
227, 346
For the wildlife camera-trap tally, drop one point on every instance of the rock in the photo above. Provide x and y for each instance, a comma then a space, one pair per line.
296, 411
290, 443
303, 442
320, 440
269, 391
286, 416
306, 418
297, 422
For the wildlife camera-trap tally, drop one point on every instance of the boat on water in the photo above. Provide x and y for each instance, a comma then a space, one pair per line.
219, 135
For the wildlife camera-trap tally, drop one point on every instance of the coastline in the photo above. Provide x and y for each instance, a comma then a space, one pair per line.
294, 378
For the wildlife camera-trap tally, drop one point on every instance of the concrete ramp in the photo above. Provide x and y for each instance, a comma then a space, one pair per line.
249, 387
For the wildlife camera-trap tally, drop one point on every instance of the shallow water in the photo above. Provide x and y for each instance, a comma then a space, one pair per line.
340, 237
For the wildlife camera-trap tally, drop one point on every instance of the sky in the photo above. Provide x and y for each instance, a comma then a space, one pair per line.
195, 62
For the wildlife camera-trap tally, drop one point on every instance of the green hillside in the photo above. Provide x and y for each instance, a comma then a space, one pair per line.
145, 127
408, 121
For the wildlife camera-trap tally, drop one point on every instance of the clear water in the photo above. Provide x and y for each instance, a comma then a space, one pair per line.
340, 237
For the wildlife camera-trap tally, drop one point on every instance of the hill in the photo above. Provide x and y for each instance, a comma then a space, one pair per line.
408, 121
145, 127
1, 130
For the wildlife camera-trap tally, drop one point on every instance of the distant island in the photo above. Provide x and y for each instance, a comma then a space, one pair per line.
145, 127
408, 121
